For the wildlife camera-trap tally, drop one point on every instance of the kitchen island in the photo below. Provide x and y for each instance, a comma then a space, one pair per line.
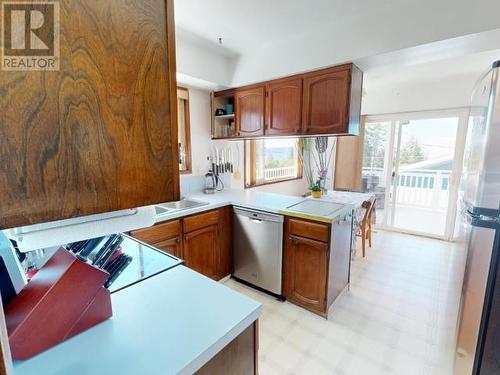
173, 323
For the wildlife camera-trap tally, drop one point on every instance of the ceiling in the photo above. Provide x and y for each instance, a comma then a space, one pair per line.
246, 25
465, 65
390, 40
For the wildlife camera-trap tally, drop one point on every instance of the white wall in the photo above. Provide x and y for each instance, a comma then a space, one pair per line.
411, 96
201, 62
201, 146
393, 26
433, 85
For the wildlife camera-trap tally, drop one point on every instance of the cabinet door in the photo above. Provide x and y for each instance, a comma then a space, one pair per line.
284, 107
159, 232
305, 270
225, 251
173, 246
200, 250
250, 106
99, 133
326, 102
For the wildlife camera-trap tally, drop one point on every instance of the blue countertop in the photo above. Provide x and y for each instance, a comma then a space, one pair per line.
171, 323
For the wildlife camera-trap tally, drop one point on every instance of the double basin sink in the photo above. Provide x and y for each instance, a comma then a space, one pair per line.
185, 204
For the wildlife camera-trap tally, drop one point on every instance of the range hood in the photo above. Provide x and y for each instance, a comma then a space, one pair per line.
39, 236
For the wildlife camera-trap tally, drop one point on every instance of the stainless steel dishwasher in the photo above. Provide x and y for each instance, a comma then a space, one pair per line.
258, 249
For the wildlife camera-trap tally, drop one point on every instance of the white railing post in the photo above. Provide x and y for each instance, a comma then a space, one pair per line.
438, 182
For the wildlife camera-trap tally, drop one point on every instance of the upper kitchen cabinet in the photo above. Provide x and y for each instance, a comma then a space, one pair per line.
324, 102
98, 133
332, 101
284, 107
250, 106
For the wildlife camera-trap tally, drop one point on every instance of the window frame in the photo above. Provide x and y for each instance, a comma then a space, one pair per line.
187, 132
250, 164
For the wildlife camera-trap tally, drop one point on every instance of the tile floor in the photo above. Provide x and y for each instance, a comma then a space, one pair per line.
398, 318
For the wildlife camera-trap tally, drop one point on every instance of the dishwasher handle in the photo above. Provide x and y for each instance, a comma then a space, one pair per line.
257, 216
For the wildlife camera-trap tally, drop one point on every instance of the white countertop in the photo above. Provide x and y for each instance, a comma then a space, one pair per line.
269, 202
172, 323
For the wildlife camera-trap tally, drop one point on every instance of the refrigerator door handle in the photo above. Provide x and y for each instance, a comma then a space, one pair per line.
486, 222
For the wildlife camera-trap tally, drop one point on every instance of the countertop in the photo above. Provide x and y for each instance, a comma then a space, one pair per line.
172, 323
269, 202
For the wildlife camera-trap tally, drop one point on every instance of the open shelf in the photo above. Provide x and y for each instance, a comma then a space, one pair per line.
223, 126
225, 116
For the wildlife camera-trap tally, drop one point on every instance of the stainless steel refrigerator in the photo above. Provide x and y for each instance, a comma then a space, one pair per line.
478, 337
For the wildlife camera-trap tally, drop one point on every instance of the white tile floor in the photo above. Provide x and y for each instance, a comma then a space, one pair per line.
398, 318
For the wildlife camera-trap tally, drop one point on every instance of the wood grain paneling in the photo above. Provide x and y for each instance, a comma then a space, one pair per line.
349, 161
309, 229
100, 134
159, 232
326, 101
202, 220
237, 358
5, 355
200, 250
284, 107
225, 253
305, 272
250, 107
172, 246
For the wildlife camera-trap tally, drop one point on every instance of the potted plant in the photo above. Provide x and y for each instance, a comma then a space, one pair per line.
316, 158
315, 190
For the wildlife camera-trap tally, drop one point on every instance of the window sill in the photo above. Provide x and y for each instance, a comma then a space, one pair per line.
273, 182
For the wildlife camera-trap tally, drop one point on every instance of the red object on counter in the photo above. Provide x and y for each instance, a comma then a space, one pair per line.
64, 298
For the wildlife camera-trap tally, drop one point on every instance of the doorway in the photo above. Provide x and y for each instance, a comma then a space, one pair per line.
412, 162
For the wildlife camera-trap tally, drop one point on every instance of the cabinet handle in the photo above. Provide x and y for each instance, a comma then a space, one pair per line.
178, 240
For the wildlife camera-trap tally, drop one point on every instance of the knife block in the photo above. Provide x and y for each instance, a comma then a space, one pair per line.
64, 298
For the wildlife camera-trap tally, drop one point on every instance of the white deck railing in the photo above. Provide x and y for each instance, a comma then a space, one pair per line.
420, 188
276, 173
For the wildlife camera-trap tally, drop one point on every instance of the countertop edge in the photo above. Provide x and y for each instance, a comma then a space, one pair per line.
232, 202
212, 351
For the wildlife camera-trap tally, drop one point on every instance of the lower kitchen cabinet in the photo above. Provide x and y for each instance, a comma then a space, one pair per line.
172, 246
164, 236
316, 262
239, 357
305, 269
200, 250
202, 240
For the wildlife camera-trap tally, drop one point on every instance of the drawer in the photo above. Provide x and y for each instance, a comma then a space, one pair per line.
308, 229
199, 221
159, 232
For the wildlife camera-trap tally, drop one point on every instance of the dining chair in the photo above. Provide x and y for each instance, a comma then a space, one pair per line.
365, 229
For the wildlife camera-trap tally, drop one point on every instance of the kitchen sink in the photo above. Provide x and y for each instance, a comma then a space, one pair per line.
160, 210
184, 204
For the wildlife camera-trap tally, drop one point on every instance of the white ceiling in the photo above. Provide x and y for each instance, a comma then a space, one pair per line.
246, 25
391, 40
465, 65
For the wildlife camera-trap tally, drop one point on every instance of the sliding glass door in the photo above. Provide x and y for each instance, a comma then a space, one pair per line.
417, 182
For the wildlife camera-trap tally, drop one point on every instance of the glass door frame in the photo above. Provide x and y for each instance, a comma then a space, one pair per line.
390, 166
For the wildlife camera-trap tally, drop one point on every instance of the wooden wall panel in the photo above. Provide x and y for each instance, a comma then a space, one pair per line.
5, 356
349, 161
100, 134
